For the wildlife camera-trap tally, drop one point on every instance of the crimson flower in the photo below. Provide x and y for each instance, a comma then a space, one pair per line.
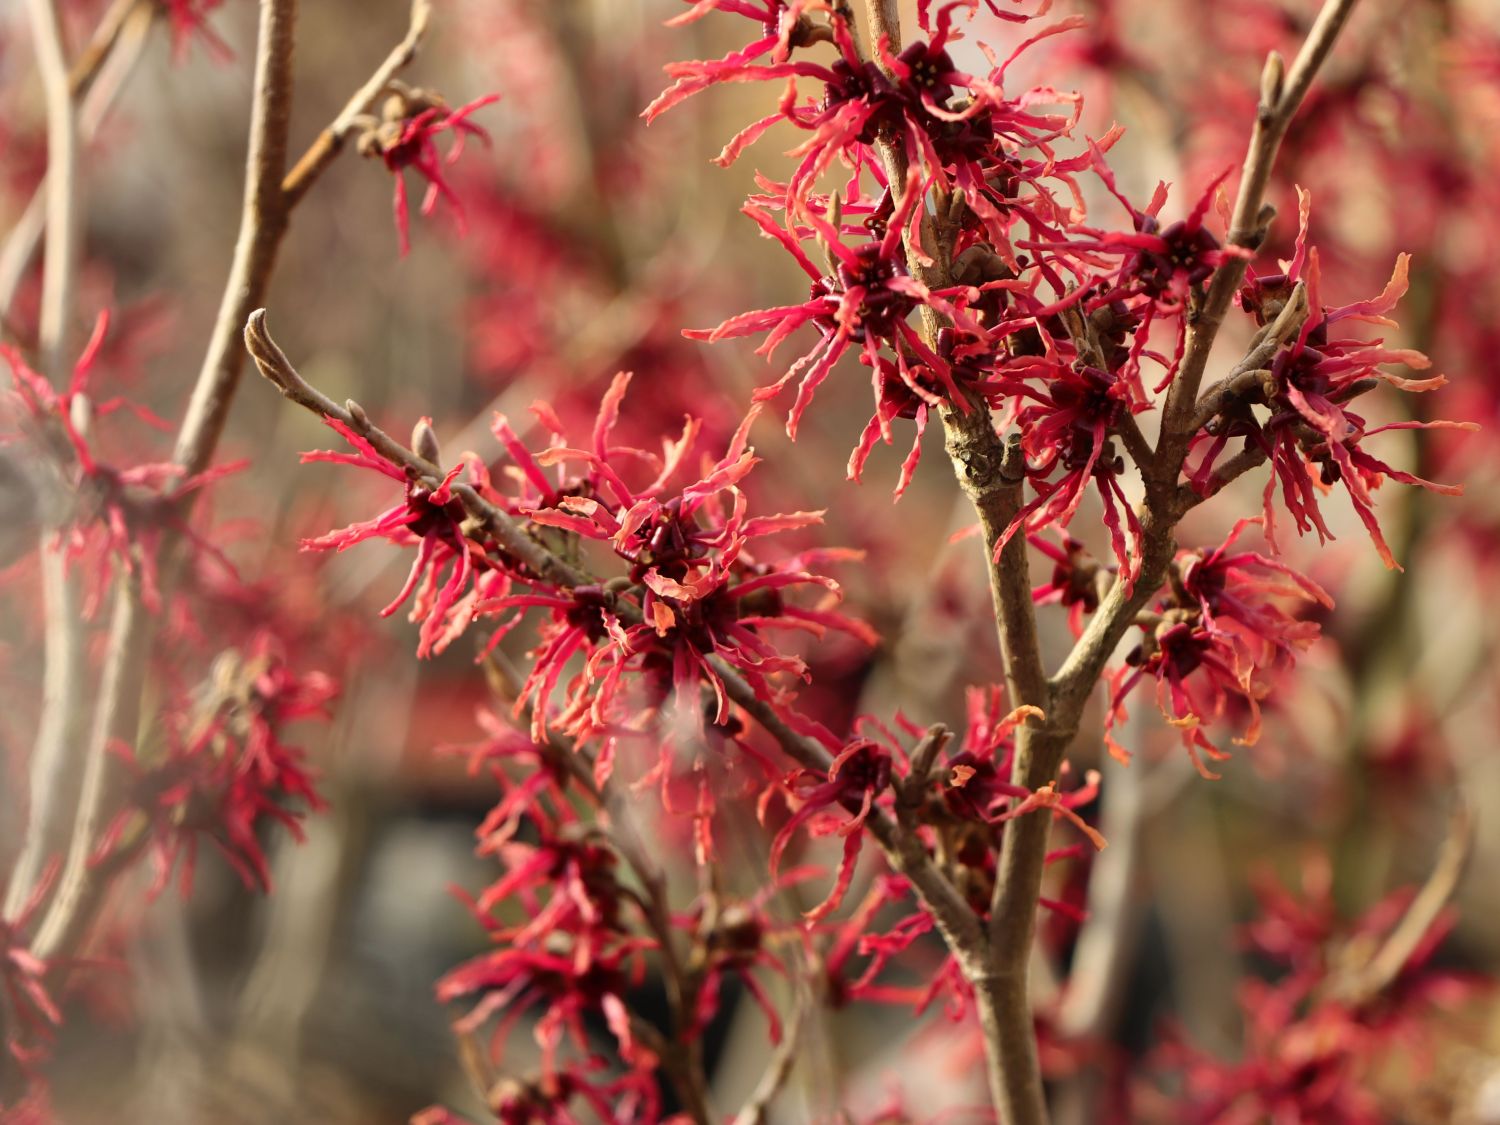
1312, 1045
431, 520
406, 138
121, 512
224, 771
1310, 384
1069, 423
697, 592
856, 777
1214, 639
864, 305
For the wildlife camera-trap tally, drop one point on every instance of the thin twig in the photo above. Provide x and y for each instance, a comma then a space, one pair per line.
330, 141
754, 1111
110, 57
116, 717
90, 61
63, 671
61, 264
59, 728
1373, 977
56, 757
1280, 98
263, 221
1247, 374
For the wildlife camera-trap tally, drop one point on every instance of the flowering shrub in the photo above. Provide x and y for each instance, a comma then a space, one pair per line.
682, 803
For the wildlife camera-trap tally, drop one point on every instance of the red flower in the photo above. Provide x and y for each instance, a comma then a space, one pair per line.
858, 775
692, 578
863, 305
406, 138
225, 770
121, 513
1310, 384
1215, 639
1069, 424
431, 520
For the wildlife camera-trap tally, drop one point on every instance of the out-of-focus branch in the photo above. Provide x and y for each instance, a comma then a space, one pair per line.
59, 728
54, 761
321, 153
126, 656
754, 1111
90, 61
61, 264
1362, 984
116, 717
97, 78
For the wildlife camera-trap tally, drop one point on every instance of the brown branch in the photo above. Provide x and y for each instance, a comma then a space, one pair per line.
1280, 98
1251, 457
90, 61
275, 366
263, 221
885, 20
52, 772
755, 1111
56, 758
81, 886
321, 153
1248, 375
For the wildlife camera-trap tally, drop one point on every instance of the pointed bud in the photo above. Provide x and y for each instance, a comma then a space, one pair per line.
424, 442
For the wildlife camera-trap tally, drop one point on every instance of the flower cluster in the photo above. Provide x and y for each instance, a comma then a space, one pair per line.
119, 513
224, 771
1216, 640
1314, 1041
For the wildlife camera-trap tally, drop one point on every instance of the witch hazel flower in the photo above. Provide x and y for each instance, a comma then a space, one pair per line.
1314, 1045
405, 137
121, 511
189, 19
696, 589
1164, 263
224, 771
432, 521
1307, 389
1069, 421
833, 802
863, 306
574, 958
1215, 640
785, 26
732, 940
